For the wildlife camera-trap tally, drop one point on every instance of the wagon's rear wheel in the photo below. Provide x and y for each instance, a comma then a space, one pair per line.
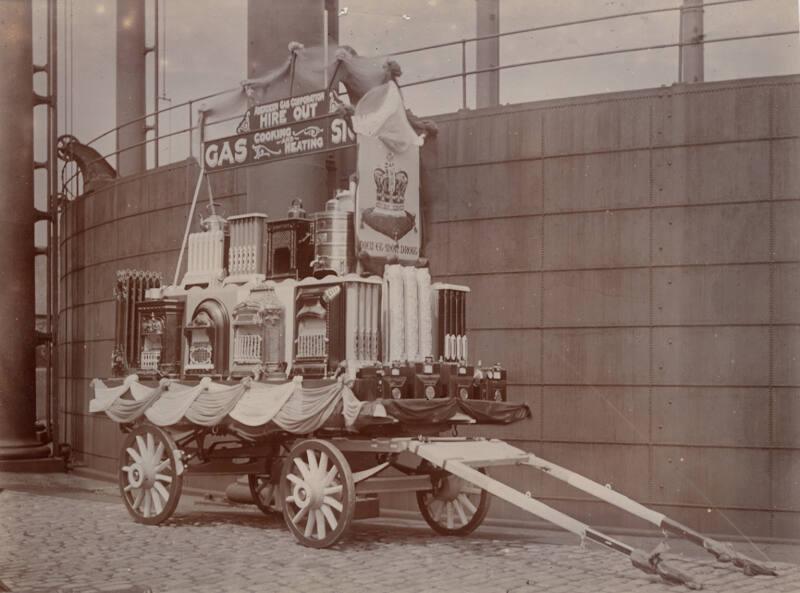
453, 506
318, 493
150, 474
264, 492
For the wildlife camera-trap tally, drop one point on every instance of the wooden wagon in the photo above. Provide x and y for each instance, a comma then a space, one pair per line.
324, 467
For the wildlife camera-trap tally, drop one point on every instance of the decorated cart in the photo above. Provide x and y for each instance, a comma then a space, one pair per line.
315, 354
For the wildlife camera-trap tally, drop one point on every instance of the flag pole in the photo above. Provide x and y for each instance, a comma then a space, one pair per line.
325, 46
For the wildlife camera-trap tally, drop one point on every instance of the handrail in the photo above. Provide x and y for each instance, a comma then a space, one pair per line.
463, 74
559, 25
596, 54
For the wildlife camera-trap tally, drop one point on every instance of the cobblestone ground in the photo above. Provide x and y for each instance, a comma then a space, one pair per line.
68, 539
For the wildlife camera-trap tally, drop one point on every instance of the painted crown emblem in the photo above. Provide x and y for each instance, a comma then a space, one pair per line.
390, 186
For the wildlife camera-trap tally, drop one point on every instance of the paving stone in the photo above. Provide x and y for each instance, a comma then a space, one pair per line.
79, 544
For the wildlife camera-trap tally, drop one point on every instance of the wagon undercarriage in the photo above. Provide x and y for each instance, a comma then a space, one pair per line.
318, 483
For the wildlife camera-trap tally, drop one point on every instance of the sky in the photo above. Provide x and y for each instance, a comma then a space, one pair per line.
205, 51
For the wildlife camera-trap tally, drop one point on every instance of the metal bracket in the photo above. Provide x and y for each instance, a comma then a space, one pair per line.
42, 215
42, 99
43, 337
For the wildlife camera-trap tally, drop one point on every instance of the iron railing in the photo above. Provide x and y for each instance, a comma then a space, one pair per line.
463, 74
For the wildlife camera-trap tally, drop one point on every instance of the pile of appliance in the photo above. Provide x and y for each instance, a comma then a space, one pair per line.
276, 299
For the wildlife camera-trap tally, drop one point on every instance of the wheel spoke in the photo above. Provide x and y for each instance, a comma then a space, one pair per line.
300, 514
467, 503
134, 455
151, 446
460, 510
323, 463
126, 468
295, 480
331, 475
310, 524
435, 514
157, 504
329, 516
129, 487
312, 461
333, 489
163, 465
159, 487
142, 446
164, 478
449, 507
159, 452
332, 502
266, 499
320, 521
302, 467
470, 489
137, 500
147, 503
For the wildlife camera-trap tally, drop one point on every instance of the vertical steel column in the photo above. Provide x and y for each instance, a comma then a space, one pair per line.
488, 53
155, 49
131, 103
52, 210
17, 354
691, 42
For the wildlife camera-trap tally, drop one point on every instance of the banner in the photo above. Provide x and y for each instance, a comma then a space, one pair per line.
286, 128
387, 201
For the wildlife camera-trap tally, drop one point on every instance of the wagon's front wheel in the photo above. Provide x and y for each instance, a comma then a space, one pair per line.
318, 493
264, 491
453, 506
150, 474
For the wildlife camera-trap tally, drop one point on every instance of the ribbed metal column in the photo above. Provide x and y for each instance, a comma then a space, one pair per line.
131, 86
692, 55
487, 89
17, 362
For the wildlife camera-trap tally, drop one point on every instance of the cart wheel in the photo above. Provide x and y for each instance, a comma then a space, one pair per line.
453, 506
150, 474
263, 491
319, 493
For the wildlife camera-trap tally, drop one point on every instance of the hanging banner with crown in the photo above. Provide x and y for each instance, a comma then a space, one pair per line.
387, 201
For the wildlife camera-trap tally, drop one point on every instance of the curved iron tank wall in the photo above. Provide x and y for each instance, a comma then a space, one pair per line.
634, 262
137, 223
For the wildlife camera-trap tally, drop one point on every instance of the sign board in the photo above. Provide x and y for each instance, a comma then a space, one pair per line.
292, 127
387, 201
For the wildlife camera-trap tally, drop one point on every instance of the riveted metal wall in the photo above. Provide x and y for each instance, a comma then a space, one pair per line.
634, 261
135, 223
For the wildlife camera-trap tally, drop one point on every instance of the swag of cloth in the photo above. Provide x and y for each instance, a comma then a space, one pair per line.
290, 406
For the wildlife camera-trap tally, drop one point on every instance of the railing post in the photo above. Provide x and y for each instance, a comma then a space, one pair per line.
463, 74
191, 131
